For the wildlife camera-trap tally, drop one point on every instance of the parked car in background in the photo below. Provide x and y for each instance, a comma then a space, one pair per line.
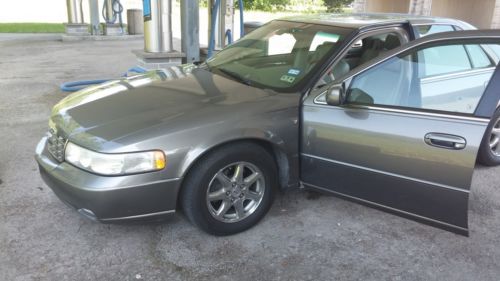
387, 110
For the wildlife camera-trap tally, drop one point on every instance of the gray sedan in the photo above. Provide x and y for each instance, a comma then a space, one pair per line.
358, 106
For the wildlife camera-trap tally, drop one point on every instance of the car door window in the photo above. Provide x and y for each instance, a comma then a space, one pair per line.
424, 30
479, 58
363, 50
444, 59
435, 78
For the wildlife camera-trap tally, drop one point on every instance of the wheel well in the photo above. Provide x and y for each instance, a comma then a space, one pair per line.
279, 156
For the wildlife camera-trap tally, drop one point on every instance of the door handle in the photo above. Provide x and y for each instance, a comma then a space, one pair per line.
445, 141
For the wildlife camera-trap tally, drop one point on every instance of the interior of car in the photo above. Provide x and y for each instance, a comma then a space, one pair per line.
361, 52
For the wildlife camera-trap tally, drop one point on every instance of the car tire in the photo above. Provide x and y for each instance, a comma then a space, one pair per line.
489, 152
213, 190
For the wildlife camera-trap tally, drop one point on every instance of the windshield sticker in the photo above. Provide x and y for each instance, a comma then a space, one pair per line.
294, 71
288, 79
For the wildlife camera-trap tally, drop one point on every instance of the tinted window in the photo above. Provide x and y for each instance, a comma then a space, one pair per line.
280, 55
425, 30
395, 83
495, 49
362, 51
444, 60
478, 57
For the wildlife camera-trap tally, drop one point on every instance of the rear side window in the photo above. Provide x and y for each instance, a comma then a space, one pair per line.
424, 30
478, 57
444, 60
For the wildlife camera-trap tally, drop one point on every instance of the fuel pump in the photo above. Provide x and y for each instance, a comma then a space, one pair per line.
221, 17
75, 24
221, 23
112, 12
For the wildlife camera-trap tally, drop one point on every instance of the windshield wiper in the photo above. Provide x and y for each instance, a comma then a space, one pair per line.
235, 76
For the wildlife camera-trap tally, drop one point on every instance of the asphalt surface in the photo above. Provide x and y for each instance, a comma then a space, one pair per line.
305, 236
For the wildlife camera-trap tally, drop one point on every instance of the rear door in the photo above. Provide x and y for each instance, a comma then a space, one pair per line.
402, 141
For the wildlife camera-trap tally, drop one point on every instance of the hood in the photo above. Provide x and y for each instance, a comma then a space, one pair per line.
155, 104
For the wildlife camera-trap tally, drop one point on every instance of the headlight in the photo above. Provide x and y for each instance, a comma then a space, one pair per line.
114, 164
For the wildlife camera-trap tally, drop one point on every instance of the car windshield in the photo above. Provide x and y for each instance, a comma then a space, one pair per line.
280, 55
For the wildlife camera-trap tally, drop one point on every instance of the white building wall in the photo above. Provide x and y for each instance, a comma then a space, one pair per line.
495, 23
420, 7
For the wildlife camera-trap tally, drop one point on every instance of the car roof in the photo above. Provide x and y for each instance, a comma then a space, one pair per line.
362, 20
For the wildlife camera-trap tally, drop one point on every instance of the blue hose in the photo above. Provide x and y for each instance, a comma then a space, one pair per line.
229, 36
78, 85
211, 43
117, 9
215, 10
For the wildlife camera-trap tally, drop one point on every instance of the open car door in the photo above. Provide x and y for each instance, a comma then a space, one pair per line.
402, 131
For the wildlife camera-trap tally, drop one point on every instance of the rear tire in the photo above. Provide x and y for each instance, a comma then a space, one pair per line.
230, 189
489, 152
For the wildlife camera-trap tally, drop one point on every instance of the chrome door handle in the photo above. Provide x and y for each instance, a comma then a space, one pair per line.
445, 141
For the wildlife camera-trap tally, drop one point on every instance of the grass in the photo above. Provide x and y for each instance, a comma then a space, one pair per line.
31, 28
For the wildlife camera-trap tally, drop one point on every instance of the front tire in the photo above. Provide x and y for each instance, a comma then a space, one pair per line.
230, 189
489, 152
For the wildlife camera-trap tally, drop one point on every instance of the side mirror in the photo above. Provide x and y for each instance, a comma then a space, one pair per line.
335, 95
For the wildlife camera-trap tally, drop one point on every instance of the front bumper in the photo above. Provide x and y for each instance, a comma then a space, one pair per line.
108, 198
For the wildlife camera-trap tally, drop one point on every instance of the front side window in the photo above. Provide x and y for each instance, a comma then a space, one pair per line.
362, 51
423, 80
280, 55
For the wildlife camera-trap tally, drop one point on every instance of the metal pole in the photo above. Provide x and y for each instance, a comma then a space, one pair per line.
158, 27
109, 10
190, 41
166, 26
227, 13
74, 11
94, 16
224, 22
217, 31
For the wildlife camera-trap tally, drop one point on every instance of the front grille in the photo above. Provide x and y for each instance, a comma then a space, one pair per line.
55, 145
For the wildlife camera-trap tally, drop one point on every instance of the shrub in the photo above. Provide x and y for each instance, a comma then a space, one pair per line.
266, 5
336, 6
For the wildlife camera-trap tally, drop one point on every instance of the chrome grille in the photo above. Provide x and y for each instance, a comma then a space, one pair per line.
55, 145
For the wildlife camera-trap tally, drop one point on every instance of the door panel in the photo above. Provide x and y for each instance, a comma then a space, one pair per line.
392, 142
382, 157
394, 152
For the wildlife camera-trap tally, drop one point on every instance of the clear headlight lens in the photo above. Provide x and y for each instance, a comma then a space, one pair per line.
114, 164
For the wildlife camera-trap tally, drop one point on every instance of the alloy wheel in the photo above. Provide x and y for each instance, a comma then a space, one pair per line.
235, 192
495, 138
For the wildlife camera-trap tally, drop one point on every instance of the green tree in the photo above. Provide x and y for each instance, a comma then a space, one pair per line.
266, 5
336, 6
